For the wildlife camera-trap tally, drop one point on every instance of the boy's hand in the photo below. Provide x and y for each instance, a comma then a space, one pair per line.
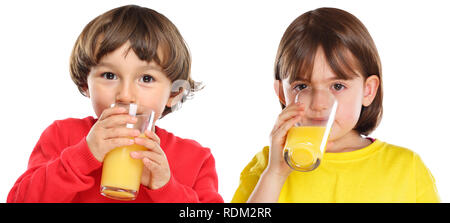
286, 120
156, 171
110, 132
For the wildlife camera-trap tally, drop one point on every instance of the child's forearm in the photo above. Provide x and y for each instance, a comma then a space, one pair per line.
268, 188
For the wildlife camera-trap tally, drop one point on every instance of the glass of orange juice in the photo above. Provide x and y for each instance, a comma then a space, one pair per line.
306, 141
121, 174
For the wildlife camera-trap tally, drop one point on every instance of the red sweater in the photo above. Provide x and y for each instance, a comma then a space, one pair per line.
62, 169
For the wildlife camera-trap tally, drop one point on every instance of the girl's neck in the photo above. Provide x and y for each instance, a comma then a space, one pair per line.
350, 142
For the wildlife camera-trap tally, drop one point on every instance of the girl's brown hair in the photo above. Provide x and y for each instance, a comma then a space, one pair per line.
151, 35
348, 47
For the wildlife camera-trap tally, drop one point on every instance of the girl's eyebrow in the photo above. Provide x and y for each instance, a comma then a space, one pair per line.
335, 79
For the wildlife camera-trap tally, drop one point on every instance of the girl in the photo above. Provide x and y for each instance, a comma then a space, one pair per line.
330, 49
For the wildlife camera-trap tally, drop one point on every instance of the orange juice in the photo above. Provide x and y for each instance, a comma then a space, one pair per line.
303, 146
121, 176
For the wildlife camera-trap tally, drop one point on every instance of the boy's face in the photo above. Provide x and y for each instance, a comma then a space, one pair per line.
121, 76
350, 94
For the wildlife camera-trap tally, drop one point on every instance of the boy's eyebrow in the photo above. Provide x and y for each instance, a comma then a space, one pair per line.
146, 67
106, 64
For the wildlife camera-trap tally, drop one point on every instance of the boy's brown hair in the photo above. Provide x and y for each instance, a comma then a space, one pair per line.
151, 35
349, 51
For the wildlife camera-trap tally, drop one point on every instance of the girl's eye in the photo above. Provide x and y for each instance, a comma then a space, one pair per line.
109, 76
338, 87
147, 79
300, 87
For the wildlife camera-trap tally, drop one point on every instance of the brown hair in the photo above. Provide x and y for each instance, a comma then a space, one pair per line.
348, 47
148, 32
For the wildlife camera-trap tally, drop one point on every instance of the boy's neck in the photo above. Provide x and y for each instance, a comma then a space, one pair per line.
350, 142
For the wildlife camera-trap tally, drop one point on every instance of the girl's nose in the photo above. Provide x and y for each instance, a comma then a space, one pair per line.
126, 93
321, 101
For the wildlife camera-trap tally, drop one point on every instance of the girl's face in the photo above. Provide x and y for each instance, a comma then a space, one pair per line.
350, 94
121, 76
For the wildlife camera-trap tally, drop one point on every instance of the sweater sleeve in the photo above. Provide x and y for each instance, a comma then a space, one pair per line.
56, 172
204, 190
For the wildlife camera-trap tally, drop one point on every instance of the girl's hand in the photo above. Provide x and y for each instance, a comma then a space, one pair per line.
156, 171
286, 120
272, 179
110, 132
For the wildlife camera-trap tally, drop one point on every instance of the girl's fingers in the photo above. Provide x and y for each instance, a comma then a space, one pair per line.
288, 113
283, 129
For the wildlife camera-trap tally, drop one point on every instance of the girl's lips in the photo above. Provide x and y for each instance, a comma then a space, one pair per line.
318, 121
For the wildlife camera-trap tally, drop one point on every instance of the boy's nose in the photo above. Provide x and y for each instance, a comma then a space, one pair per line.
126, 93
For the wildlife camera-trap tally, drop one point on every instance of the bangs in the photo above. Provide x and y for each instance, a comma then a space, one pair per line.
300, 65
149, 37
299, 46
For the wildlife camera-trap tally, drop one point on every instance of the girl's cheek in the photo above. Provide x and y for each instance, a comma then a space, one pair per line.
348, 114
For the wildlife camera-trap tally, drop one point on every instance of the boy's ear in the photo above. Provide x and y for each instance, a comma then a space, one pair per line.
86, 92
370, 89
175, 98
278, 86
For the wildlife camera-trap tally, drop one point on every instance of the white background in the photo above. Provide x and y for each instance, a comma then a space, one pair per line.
233, 46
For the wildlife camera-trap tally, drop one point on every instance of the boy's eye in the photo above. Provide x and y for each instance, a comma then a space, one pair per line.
338, 87
109, 76
300, 87
147, 79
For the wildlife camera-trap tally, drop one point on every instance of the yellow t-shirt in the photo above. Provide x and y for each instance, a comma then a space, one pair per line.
379, 172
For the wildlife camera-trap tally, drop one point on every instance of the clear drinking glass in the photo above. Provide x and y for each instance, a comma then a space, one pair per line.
121, 174
306, 141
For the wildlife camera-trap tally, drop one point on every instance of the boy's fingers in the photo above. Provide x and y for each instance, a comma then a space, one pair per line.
112, 111
150, 155
121, 133
149, 144
153, 136
118, 120
118, 142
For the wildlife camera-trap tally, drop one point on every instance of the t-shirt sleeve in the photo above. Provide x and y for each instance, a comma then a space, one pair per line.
250, 176
426, 191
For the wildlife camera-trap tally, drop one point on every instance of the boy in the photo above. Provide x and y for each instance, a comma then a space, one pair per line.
129, 54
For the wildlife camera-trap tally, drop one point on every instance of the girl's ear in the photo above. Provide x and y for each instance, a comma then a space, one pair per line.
370, 89
278, 86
